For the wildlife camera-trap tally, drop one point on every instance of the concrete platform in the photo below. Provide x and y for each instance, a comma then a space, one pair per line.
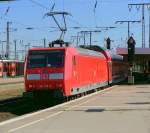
5, 81
120, 109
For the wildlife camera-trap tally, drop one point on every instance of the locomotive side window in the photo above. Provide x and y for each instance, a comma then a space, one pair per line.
51, 58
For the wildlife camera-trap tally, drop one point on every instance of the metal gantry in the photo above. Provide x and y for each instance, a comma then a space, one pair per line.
138, 5
90, 32
128, 22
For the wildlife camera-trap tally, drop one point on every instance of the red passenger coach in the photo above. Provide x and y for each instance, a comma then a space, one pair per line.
69, 71
1, 69
118, 68
11, 68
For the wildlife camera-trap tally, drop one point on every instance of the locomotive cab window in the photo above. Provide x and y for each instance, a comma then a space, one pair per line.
51, 58
55, 59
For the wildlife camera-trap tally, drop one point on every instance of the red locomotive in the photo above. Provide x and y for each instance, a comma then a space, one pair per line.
70, 71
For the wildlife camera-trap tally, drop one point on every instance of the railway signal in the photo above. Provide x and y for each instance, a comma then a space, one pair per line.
108, 43
131, 50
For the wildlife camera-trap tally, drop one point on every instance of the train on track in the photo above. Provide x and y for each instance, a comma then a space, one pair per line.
69, 71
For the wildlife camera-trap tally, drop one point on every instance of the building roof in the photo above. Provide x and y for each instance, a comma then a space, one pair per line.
138, 51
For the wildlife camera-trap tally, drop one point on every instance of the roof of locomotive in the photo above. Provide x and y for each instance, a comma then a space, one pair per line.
79, 50
107, 53
88, 50
47, 48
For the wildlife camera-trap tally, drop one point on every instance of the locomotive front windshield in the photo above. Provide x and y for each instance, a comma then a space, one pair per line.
49, 58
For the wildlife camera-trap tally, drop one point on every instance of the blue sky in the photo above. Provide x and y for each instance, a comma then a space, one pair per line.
26, 13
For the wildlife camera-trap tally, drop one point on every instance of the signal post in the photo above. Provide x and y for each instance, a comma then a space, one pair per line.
131, 51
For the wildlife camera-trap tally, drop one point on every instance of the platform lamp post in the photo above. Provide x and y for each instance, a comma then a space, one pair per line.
131, 52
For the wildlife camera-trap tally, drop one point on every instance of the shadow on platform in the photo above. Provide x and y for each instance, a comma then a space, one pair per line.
94, 110
140, 103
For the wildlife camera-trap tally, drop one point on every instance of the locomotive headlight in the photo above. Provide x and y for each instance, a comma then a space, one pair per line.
30, 86
56, 76
59, 85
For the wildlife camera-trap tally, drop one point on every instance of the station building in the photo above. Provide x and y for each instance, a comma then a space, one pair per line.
141, 59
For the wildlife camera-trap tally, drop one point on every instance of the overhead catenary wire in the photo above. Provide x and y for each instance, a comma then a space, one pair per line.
78, 24
39, 4
42, 6
45, 7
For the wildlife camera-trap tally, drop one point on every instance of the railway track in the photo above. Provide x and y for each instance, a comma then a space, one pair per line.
18, 106
13, 107
10, 101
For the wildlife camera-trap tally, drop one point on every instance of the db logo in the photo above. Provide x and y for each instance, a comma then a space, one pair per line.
44, 76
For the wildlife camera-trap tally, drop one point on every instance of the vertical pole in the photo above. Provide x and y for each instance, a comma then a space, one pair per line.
90, 38
15, 42
23, 54
77, 41
24, 51
143, 27
7, 45
128, 29
84, 38
28, 46
77, 38
44, 40
149, 24
22, 43
2, 50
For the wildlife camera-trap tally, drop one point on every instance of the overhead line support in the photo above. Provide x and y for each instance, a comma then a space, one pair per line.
143, 19
128, 22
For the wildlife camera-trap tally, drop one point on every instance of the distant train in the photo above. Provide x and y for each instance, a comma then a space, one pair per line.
11, 68
69, 71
